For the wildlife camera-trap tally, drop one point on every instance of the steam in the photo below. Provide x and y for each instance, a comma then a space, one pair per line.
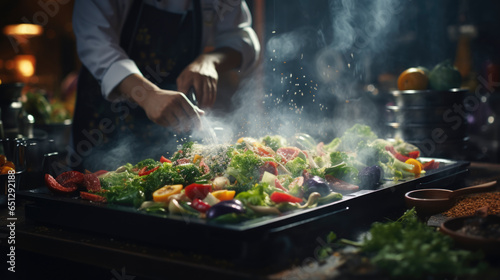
313, 78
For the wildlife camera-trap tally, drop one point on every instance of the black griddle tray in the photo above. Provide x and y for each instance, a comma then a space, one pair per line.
251, 242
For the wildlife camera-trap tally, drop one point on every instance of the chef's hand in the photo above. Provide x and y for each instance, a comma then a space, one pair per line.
203, 74
164, 107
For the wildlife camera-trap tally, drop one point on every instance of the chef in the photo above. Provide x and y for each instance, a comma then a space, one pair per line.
139, 61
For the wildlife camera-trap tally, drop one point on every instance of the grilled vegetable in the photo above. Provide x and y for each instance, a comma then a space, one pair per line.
163, 194
54, 186
316, 184
225, 207
197, 190
279, 197
369, 177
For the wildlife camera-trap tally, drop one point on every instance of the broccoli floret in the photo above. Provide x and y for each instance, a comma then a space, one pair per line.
148, 163
164, 175
320, 172
396, 169
217, 158
184, 152
245, 167
333, 145
344, 171
372, 154
338, 157
355, 134
274, 142
189, 172
321, 161
296, 166
238, 187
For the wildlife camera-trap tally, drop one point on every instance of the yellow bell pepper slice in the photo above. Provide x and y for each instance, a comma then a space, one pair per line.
417, 166
224, 194
162, 194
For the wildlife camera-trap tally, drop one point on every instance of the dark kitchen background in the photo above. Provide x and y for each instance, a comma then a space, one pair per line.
325, 64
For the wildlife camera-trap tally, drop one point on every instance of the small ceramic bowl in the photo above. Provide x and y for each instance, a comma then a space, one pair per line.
426, 203
490, 246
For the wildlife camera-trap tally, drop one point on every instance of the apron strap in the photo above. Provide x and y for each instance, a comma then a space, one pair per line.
198, 27
131, 24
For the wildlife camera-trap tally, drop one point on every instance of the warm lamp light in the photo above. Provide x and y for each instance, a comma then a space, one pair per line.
23, 29
25, 65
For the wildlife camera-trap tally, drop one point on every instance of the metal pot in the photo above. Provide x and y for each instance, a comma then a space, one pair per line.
426, 98
421, 115
420, 132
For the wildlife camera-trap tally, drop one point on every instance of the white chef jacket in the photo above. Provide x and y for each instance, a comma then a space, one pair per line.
97, 25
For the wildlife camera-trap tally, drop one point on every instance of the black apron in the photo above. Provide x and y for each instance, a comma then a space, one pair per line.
107, 134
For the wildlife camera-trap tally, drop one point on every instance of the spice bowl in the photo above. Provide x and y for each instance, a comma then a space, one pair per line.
475, 233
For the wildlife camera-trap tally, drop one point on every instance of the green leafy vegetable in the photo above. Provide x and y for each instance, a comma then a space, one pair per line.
409, 248
166, 174
184, 152
245, 167
148, 163
189, 172
355, 134
274, 142
296, 166
127, 195
255, 196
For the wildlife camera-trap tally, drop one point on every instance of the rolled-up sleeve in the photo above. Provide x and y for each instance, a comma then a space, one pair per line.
97, 27
234, 29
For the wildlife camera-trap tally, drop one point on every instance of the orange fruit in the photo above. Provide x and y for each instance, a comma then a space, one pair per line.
413, 79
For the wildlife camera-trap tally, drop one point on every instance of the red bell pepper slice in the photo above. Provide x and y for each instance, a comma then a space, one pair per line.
92, 197
414, 154
199, 191
397, 155
164, 159
70, 179
430, 165
144, 171
278, 197
199, 205
261, 151
54, 186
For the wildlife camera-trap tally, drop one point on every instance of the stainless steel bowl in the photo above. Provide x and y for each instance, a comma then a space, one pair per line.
421, 115
439, 132
409, 98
